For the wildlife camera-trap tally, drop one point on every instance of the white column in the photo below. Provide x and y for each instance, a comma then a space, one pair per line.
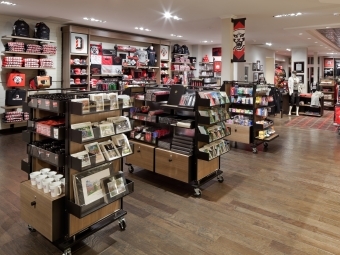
316, 65
227, 73
269, 70
301, 55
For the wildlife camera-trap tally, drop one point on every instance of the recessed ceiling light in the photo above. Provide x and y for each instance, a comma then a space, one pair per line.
309, 38
268, 43
336, 14
328, 27
94, 20
176, 35
300, 34
143, 29
7, 3
168, 15
288, 49
288, 15
321, 45
205, 41
136, 28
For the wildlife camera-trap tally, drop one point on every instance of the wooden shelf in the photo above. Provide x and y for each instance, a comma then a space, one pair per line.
165, 60
29, 68
79, 54
27, 53
17, 122
10, 37
109, 75
11, 107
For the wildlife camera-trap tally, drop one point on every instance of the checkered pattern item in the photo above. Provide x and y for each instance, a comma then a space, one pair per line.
12, 62
31, 62
49, 49
33, 48
15, 46
46, 62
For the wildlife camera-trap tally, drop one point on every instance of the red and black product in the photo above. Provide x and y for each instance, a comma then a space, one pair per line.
239, 40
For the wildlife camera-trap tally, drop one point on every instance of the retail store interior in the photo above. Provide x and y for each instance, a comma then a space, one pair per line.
170, 127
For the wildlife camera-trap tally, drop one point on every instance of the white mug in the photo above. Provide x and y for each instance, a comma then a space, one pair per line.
45, 170
57, 177
33, 177
46, 184
51, 174
39, 179
55, 189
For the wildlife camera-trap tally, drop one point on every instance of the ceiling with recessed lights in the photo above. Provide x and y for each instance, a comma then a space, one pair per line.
197, 22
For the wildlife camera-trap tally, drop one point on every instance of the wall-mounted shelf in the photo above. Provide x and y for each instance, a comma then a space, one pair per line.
11, 37
29, 68
27, 53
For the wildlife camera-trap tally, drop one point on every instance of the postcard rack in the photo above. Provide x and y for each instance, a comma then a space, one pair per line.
67, 222
177, 155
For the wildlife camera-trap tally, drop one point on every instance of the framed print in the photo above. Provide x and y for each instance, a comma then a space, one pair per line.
86, 129
254, 67
79, 43
255, 77
329, 63
106, 129
85, 102
299, 67
122, 141
109, 150
164, 52
84, 157
217, 66
87, 184
217, 52
301, 78
114, 187
94, 148
258, 65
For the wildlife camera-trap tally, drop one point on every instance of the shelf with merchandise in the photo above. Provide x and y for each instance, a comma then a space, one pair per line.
213, 150
27, 53
46, 156
11, 37
207, 138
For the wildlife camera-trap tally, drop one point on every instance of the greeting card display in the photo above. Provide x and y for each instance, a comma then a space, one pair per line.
123, 142
106, 129
94, 148
114, 187
86, 129
84, 157
109, 150
85, 102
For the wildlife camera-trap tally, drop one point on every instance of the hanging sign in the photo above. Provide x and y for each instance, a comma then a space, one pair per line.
239, 40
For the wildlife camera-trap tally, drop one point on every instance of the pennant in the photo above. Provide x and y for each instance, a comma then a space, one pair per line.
239, 40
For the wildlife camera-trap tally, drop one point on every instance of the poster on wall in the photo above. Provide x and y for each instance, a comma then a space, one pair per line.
164, 52
217, 52
78, 43
239, 40
329, 63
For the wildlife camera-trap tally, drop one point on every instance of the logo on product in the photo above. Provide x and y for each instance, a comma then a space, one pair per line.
239, 40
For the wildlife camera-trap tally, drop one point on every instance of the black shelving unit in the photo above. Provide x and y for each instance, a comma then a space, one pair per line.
248, 134
64, 230
195, 169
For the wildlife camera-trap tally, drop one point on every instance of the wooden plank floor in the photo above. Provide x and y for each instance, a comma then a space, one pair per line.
283, 201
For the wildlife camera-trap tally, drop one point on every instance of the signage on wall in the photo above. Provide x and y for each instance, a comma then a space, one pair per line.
217, 52
164, 52
329, 62
78, 43
217, 66
239, 40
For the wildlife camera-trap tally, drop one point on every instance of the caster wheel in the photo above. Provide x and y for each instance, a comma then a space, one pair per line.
31, 229
220, 179
198, 193
254, 150
122, 224
265, 145
131, 169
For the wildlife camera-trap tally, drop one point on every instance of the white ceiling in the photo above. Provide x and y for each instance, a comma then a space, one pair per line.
201, 20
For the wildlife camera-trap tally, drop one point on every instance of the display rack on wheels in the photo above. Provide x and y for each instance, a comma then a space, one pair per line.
90, 196
191, 149
249, 109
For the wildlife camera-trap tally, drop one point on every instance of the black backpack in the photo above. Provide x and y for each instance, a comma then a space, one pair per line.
176, 48
185, 50
21, 28
42, 31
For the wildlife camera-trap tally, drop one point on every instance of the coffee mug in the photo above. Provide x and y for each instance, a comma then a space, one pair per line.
45, 170
46, 184
57, 177
51, 174
39, 179
33, 177
55, 189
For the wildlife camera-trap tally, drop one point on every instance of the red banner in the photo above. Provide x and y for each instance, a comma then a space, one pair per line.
239, 40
